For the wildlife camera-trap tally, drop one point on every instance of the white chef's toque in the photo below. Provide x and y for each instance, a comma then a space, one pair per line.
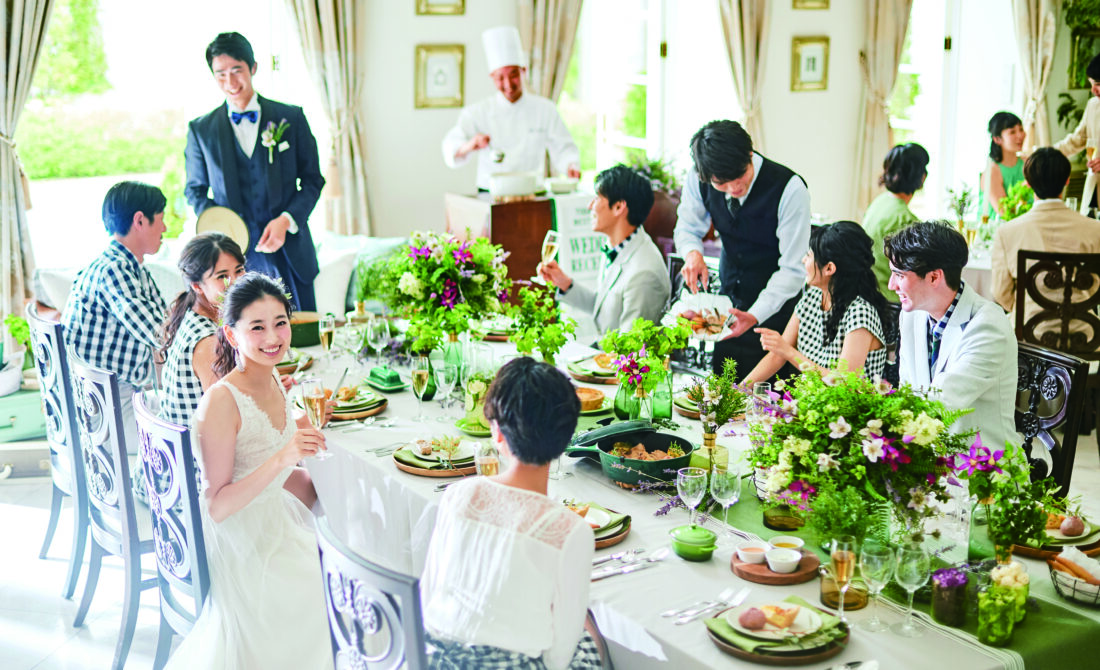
503, 47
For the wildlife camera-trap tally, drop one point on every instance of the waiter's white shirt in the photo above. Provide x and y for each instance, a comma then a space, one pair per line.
693, 222
524, 131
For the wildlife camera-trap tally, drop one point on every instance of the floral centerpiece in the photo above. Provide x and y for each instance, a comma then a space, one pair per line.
538, 323
440, 284
840, 430
642, 356
718, 398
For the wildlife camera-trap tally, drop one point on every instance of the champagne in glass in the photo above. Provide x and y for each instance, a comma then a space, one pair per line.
971, 235
549, 251
326, 327
1090, 151
913, 568
487, 460
691, 484
842, 560
876, 564
421, 372
315, 404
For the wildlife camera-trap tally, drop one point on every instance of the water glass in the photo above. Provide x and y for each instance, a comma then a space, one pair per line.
761, 398
378, 334
446, 376
556, 471
691, 484
876, 565
1071, 203
725, 488
913, 568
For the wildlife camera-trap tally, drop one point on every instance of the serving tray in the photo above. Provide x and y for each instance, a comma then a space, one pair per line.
760, 573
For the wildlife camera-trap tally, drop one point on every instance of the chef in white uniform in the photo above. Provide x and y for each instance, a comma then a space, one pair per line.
512, 130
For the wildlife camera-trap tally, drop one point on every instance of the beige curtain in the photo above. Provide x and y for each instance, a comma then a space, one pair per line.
23, 28
548, 28
878, 61
1036, 29
745, 25
332, 34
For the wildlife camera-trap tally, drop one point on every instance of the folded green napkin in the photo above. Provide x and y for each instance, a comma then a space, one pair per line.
359, 404
589, 369
407, 457
827, 633
612, 526
686, 403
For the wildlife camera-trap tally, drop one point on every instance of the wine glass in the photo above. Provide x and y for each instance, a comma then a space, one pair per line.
691, 484
842, 561
314, 401
761, 398
421, 373
487, 460
913, 568
725, 488
876, 564
446, 376
550, 245
326, 327
378, 334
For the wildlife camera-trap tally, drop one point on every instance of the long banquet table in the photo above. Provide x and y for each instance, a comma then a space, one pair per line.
388, 516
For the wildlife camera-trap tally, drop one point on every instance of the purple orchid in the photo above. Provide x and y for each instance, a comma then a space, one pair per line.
462, 254
419, 252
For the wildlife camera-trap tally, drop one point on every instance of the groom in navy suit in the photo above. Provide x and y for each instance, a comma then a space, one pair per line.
260, 159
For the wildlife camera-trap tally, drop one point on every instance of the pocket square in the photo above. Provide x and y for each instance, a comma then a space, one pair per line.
283, 146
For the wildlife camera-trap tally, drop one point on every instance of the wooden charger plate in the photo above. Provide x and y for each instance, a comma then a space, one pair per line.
615, 538
471, 469
1045, 553
760, 573
593, 379
787, 657
360, 415
495, 337
689, 413
289, 368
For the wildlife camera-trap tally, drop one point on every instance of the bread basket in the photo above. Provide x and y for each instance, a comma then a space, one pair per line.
1078, 590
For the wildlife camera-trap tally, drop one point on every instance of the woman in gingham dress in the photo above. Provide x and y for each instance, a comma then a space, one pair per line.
838, 320
209, 264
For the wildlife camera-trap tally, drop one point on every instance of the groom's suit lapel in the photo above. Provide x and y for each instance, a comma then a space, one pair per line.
226, 143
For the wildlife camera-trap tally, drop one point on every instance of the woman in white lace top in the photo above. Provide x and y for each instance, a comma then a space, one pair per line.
506, 579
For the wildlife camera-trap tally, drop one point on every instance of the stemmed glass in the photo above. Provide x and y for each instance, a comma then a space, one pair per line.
314, 401
876, 564
326, 328
378, 334
446, 376
913, 568
421, 373
550, 245
691, 484
761, 398
842, 561
725, 488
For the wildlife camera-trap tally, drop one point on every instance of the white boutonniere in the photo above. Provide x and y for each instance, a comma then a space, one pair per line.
271, 136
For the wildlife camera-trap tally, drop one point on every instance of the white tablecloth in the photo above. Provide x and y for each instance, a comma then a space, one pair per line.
388, 516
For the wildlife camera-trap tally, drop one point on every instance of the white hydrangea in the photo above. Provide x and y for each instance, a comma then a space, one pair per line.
410, 285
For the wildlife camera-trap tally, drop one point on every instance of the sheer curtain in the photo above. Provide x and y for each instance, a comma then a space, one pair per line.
23, 27
886, 24
332, 34
548, 28
1036, 29
745, 25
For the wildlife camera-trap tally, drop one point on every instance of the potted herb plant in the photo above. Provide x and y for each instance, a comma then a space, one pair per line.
539, 324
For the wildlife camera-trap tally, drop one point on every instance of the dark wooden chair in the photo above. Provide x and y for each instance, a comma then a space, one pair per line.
696, 357
169, 468
1051, 394
66, 468
374, 613
1065, 289
117, 527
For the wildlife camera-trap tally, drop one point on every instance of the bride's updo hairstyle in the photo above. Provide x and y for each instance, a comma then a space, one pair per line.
248, 289
535, 408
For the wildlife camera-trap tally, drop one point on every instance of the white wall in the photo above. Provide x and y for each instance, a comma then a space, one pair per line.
406, 177
815, 132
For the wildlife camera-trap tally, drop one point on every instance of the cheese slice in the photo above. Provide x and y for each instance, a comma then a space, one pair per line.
780, 617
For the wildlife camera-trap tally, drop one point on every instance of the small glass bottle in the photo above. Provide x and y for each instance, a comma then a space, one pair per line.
662, 395
949, 596
996, 616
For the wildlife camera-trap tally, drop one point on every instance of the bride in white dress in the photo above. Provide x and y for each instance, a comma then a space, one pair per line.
266, 607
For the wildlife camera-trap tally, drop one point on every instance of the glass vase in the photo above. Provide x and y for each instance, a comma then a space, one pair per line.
662, 395
949, 604
626, 403
996, 616
452, 352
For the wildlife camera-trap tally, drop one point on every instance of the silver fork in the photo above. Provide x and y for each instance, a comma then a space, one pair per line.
700, 605
732, 602
624, 556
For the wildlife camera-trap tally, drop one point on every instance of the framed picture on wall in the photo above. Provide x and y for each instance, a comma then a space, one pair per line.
449, 6
809, 63
440, 75
1084, 45
810, 4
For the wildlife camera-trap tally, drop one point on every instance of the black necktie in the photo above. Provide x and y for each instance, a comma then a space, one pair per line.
733, 205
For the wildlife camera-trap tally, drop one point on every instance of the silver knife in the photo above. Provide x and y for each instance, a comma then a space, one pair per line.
603, 574
732, 602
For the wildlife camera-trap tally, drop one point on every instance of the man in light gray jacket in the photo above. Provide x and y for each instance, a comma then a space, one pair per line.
634, 280
952, 339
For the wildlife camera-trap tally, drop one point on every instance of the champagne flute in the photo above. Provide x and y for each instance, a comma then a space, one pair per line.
378, 333
725, 488
315, 402
550, 245
842, 559
876, 564
446, 376
1090, 151
421, 371
913, 568
691, 484
326, 327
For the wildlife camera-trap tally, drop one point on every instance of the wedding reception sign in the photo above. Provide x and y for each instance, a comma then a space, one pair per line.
580, 254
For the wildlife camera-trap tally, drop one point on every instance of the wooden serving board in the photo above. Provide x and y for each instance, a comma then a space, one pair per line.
787, 657
689, 413
760, 573
495, 337
360, 415
289, 368
1051, 551
615, 538
425, 472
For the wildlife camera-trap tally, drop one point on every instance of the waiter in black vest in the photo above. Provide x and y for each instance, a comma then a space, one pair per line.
761, 212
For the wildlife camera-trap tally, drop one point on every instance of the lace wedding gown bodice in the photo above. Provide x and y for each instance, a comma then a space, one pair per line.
266, 607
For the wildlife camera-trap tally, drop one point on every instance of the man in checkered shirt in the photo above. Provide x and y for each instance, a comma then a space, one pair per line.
114, 313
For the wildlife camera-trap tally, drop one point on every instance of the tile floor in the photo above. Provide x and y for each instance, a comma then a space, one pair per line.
36, 630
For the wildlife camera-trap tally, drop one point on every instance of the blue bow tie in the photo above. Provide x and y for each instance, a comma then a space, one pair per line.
252, 116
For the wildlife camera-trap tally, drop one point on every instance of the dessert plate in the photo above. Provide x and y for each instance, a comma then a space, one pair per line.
807, 621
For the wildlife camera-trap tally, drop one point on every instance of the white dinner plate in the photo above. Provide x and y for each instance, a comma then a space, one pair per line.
807, 621
1056, 536
223, 220
698, 302
465, 451
597, 518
